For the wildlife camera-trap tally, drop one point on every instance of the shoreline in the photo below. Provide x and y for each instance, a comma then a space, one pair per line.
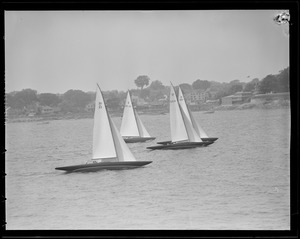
43, 119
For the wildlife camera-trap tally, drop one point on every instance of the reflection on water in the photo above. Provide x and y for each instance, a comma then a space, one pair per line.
239, 182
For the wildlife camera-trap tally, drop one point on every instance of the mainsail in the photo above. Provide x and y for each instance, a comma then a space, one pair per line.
178, 131
123, 152
129, 126
190, 116
131, 123
107, 141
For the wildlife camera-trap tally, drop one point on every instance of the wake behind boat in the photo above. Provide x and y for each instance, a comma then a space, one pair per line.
132, 128
110, 152
183, 134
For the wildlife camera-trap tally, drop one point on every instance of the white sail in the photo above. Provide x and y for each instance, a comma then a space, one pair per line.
190, 116
129, 125
108, 144
192, 134
178, 130
142, 129
123, 152
196, 126
182, 103
103, 142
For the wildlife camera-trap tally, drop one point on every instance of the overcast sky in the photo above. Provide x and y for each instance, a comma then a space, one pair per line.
54, 51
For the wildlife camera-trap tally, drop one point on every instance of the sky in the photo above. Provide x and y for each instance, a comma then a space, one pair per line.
55, 51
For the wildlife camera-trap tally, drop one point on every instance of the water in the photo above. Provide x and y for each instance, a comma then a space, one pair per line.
241, 182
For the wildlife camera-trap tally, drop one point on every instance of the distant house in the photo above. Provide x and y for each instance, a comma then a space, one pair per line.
56, 109
211, 94
90, 107
212, 102
137, 101
237, 98
31, 109
196, 96
31, 114
47, 110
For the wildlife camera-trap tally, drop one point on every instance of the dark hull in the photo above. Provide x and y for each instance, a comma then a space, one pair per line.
209, 139
92, 167
138, 139
203, 139
185, 145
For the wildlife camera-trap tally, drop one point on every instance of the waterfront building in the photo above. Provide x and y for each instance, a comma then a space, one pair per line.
262, 98
237, 98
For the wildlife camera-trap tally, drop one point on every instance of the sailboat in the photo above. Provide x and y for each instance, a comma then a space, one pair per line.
191, 118
109, 149
132, 128
183, 134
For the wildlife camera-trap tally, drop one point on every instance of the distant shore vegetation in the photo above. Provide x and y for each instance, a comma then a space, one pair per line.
29, 101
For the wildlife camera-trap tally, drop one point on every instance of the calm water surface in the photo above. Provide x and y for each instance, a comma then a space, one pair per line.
239, 182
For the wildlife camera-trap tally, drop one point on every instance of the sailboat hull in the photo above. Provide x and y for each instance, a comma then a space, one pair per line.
209, 139
203, 139
137, 139
185, 145
93, 167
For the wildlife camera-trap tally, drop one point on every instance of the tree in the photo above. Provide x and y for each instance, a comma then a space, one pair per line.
142, 81
21, 99
234, 82
235, 88
220, 94
201, 84
75, 99
49, 99
283, 79
145, 93
156, 95
250, 86
156, 85
110, 94
268, 84
67, 107
216, 86
186, 87
113, 103
9, 100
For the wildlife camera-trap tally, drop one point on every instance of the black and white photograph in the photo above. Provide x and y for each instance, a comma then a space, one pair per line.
147, 119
